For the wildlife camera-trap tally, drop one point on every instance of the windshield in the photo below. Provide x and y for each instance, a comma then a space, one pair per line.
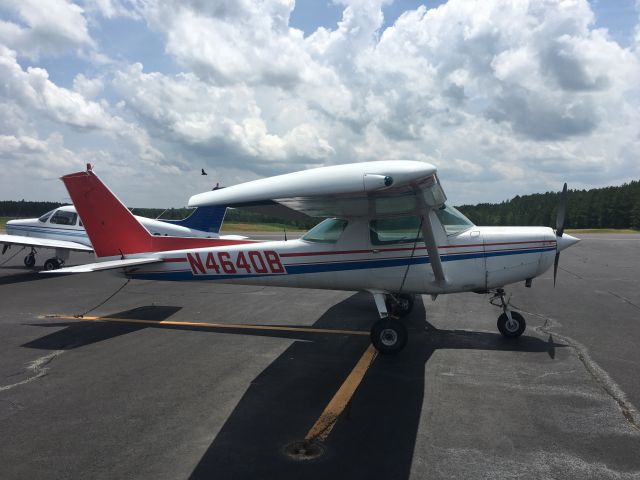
64, 218
46, 216
327, 231
452, 220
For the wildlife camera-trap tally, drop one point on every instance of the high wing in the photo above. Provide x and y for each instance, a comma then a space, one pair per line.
353, 190
339, 190
43, 243
109, 265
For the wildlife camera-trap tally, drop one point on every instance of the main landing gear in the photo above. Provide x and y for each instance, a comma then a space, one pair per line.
388, 334
30, 259
510, 323
53, 263
50, 264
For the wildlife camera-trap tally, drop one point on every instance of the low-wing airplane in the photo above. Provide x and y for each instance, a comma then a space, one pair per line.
388, 231
62, 230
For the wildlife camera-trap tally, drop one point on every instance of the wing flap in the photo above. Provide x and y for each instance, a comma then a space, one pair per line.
109, 265
43, 243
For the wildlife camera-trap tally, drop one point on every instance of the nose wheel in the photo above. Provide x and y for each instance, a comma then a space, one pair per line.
510, 324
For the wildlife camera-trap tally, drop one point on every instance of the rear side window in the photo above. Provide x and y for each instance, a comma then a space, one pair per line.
386, 231
64, 218
327, 231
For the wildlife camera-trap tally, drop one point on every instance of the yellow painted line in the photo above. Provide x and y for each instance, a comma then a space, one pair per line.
230, 326
323, 426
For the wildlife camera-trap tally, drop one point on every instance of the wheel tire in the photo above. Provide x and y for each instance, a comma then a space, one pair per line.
30, 260
52, 264
513, 330
402, 307
388, 336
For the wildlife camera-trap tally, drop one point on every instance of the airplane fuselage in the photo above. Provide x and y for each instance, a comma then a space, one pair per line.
477, 259
64, 224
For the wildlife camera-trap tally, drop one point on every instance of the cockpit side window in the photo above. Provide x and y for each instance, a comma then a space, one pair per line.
64, 218
327, 231
387, 231
46, 216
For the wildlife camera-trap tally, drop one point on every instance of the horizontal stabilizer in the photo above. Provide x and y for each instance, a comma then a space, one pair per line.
110, 265
43, 243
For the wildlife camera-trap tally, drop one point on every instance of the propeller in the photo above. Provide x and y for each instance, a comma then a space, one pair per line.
562, 210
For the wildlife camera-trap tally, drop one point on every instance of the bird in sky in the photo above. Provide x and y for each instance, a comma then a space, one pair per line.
203, 172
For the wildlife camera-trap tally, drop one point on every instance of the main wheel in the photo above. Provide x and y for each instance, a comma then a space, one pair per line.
30, 260
513, 328
401, 306
388, 336
52, 264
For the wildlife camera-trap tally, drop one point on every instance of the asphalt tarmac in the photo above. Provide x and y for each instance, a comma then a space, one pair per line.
203, 396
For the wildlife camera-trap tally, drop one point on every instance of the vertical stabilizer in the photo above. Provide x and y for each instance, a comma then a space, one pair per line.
206, 219
111, 227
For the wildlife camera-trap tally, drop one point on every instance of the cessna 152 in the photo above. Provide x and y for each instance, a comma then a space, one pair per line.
387, 231
62, 230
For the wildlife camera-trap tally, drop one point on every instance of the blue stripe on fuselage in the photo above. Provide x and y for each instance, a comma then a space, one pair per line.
297, 269
47, 230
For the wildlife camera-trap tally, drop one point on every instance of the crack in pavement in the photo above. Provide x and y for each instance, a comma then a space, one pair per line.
38, 367
629, 411
571, 273
624, 299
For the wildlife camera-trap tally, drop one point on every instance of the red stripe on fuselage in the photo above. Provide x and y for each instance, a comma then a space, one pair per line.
371, 250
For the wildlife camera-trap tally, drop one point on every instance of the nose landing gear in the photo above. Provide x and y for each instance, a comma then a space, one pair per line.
511, 324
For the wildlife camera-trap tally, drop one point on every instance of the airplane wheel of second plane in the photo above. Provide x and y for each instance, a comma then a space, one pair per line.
388, 336
30, 260
512, 329
52, 264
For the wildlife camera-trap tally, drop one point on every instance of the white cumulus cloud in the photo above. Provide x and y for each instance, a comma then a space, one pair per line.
49, 27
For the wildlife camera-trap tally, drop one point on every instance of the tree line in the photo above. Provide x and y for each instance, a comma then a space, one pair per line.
24, 208
608, 207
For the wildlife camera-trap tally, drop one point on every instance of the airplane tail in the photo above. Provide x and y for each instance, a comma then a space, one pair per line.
112, 228
207, 219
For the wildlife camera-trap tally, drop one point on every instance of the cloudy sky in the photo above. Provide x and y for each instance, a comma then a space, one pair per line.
504, 97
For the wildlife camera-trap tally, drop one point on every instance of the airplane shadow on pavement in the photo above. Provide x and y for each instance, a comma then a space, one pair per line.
375, 435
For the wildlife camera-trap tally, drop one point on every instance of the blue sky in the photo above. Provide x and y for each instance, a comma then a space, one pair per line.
522, 95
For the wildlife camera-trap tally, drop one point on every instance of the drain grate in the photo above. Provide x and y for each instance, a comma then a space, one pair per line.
304, 450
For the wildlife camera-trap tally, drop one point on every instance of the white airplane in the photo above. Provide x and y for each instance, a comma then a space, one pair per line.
62, 230
388, 231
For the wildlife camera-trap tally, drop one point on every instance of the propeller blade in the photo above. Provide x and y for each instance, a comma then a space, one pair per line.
562, 209
555, 268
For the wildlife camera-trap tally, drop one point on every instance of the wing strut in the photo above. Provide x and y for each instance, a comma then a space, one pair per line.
429, 239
